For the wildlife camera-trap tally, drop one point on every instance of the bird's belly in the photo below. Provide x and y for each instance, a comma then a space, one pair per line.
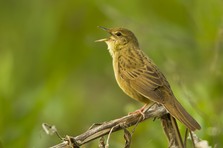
125, 86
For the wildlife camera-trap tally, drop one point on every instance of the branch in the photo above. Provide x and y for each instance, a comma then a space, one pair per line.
97, 131
117, 124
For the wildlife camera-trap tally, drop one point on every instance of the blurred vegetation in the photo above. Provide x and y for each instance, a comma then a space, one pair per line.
52, 71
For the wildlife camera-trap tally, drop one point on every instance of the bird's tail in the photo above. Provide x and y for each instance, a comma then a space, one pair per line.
182, 115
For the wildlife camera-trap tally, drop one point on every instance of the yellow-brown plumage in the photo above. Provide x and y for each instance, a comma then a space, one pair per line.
140, 78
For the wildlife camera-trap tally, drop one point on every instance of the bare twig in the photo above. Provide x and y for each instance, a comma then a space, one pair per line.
128, 138
156, 111
172, 132
117, 124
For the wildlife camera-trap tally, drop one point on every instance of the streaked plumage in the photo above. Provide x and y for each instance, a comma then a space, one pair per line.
140, 78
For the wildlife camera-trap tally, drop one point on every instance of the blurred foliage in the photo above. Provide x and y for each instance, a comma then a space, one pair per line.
52, 71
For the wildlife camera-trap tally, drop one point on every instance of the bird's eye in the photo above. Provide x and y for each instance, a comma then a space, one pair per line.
118, 33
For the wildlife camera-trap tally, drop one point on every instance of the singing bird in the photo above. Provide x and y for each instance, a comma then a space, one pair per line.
140, 78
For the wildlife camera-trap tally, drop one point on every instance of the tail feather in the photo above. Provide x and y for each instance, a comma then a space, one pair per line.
182, 115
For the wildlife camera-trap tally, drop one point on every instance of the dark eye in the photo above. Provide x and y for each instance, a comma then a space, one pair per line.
118, 33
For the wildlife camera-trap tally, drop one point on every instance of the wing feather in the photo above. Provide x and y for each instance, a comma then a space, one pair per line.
142, 75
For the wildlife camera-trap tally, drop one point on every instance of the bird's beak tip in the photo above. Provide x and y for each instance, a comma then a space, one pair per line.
103, 28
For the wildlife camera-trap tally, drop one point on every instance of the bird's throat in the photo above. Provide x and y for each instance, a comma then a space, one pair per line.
111, 47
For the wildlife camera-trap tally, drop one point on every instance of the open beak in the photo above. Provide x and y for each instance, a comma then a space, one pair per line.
105, 39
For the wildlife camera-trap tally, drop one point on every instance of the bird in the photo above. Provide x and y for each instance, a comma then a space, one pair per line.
139, 77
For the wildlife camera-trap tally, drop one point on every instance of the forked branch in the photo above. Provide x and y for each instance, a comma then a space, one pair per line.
106, 128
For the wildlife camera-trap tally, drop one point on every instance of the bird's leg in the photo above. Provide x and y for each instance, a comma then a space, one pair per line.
143, 108
140, 111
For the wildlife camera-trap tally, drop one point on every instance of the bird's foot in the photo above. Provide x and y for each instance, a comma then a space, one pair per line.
140, 111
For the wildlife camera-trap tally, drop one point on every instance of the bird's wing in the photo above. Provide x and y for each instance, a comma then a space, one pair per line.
143, 76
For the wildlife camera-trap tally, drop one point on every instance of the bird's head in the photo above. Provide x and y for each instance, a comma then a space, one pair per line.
120, 39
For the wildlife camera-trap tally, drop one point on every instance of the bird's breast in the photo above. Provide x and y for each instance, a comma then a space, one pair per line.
125, 84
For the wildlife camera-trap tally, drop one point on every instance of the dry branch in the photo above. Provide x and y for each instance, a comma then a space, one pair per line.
97, 131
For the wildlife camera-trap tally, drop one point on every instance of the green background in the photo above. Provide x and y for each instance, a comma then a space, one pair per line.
52, 71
